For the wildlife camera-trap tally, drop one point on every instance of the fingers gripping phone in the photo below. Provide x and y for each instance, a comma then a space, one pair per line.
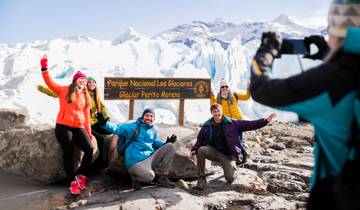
294, 46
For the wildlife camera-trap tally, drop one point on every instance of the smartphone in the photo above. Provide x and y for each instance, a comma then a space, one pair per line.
293, 46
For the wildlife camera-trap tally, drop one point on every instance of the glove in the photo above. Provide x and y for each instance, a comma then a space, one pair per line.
171, 139
269, 49
271, 42
44, 63
321, 44
101, 119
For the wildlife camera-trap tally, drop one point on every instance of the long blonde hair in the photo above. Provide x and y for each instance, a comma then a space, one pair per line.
229, 97
97, 98
71, 94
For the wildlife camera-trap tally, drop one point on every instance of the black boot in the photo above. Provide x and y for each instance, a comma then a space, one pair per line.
244, 158
163, 181
201, 183
237, 159
136, 185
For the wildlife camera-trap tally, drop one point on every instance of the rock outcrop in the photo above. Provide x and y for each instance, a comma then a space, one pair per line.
11, 118
276, 176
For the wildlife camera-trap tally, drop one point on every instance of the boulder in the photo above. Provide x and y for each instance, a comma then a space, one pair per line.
33, 152
11, 118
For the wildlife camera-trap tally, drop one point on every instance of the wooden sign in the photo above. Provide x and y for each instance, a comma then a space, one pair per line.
133, 88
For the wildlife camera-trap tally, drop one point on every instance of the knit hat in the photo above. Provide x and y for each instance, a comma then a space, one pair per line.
343, 14
224, 83
148, 110
78, 75
91, 79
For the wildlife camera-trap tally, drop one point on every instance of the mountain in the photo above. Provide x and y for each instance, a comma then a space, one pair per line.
128, 35
224, 32
197, 50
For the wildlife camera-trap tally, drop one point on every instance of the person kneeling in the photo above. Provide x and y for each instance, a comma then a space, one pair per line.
218, 141
145, 154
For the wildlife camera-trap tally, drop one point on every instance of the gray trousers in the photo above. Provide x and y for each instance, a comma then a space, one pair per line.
210, 153
158, 163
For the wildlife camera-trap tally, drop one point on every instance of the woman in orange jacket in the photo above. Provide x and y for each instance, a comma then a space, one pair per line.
72, 124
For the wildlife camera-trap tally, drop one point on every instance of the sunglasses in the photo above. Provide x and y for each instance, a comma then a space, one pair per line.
224, 87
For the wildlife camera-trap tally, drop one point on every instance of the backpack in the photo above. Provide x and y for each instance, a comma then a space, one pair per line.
122, 145
341, 191
116, 154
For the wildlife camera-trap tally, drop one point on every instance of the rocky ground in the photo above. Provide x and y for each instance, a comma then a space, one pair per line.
275, 177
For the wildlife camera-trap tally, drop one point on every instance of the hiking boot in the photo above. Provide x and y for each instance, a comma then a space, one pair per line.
81, 179
136, 185
237, 159
163, 181
74, 188
201, 183
244, 158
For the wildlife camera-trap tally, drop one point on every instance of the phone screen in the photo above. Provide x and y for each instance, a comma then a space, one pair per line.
293, 46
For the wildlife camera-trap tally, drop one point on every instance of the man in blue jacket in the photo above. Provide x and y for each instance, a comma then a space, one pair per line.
218, 141
146, 155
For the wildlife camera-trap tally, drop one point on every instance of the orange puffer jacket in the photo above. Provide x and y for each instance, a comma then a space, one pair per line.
75, 114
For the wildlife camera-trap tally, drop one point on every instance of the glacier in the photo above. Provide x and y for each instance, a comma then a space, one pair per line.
198, 49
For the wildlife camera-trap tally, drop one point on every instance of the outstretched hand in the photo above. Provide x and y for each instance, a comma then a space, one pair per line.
44, 63
272, 42
320, 43
101, 119
171, 139
271, 117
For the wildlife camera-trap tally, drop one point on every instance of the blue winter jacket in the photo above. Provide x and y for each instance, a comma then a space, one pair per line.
144, 145
325, 96
232, 129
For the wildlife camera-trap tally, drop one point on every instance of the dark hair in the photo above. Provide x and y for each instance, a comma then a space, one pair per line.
215, 106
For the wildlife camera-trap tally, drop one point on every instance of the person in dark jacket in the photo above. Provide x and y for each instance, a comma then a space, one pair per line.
325, 95
218, 141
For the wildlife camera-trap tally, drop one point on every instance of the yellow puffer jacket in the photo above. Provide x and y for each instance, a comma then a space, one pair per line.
232, 110
93, 119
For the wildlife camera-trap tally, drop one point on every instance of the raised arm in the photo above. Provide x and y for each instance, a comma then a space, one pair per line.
53, 86
248, 125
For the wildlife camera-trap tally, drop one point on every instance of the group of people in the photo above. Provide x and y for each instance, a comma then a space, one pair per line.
327, 96
83, 121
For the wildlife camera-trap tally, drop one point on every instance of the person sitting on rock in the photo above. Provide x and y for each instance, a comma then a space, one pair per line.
97, 130
229, 101
218, 141
145, 155
97, 106
72, 124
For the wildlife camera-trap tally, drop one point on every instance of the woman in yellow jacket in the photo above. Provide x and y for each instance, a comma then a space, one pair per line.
97, 108
229, 102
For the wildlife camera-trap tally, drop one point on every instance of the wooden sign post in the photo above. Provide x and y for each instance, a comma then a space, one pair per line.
135, 88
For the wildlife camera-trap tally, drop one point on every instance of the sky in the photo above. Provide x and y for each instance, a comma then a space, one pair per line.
30, 20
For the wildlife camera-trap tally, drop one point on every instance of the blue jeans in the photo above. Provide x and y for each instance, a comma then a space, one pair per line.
242, 147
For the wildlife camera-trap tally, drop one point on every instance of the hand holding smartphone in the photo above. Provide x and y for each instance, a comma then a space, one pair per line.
294, 46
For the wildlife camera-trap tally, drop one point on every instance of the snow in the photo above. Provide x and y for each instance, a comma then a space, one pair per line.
194, 50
